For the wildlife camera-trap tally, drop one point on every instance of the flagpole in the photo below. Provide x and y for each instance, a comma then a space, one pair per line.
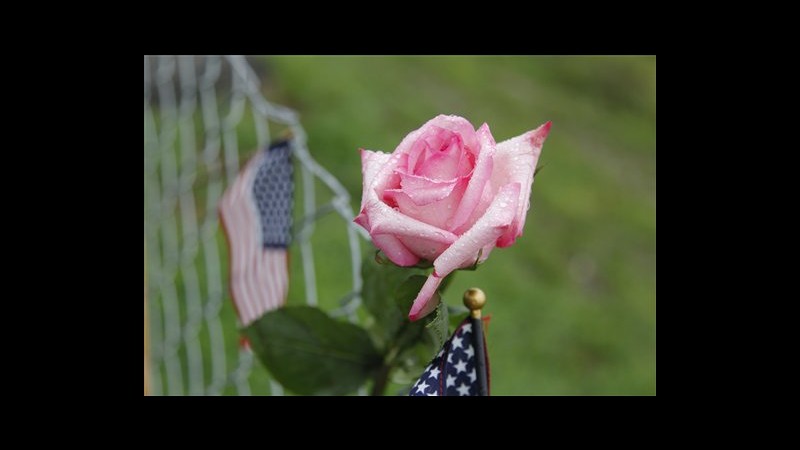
475, 300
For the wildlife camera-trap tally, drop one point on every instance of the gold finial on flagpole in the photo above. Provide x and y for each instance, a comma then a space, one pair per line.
474, 300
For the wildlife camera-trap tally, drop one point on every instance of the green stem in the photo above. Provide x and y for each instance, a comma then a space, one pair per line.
381, 379
382, 376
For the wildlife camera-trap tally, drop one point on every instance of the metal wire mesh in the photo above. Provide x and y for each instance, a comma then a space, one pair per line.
194, 110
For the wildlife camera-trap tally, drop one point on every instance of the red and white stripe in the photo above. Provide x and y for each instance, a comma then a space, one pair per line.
259, 277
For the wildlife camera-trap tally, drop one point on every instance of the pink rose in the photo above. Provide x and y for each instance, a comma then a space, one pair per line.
448, 194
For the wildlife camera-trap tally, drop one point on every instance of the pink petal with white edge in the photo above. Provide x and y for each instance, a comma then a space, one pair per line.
371, 164
413, 138
443, 164
424, 191
362, 220
515, 161
436, 213
480, 176
384, 219
486, 251
386, 176
486, 231
425, 302
483, 204
425, 249
460, 126
394, 250
416, 154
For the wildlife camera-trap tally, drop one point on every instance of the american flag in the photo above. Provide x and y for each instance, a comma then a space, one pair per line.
256, 212
453, 371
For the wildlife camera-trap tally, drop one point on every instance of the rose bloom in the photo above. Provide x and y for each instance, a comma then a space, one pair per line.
448, 194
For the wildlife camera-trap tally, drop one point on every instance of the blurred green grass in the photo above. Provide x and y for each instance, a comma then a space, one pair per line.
573, 301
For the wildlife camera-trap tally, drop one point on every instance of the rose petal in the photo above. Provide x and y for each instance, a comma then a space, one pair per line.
362, 219
486, 251
466, 164
486, 230
436, 213
395, 250
380, 219
371, 164
515, 161
443, 163
384, 219
387, 176
424, 191
480, 176
409, 143
416, 155
433, 140
483, 204
424, 248
459, 126
425, 302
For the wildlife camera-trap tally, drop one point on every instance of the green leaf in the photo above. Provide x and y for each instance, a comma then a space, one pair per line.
378, 293
308, 352
436, 327
408, 333
406, 292
433, 326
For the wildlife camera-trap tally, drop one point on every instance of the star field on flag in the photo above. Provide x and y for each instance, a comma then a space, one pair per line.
452, 371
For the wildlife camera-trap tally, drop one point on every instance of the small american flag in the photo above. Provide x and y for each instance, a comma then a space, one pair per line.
256, 212
453, 371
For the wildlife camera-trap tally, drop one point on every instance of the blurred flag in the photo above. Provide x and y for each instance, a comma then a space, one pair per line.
456, 369
256, 213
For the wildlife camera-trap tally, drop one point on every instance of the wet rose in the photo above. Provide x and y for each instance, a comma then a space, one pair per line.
448, 194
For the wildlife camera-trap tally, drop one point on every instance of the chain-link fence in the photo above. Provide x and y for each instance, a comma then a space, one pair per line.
202, 116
